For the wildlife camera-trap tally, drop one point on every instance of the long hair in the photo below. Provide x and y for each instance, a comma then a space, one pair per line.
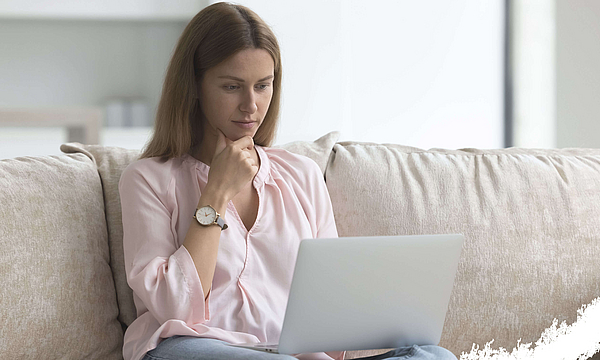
213, 35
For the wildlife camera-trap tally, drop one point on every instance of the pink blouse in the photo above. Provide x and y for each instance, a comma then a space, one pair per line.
254, 268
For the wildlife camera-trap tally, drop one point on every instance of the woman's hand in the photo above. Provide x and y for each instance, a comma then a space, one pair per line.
232, 166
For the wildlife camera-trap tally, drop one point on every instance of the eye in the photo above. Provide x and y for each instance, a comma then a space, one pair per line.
231, 87
263, 87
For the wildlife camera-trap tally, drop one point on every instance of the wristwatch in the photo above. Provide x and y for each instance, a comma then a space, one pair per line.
207, 215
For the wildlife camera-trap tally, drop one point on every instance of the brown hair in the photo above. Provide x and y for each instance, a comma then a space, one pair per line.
213, 35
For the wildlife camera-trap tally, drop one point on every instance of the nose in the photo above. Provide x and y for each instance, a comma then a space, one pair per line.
248, 104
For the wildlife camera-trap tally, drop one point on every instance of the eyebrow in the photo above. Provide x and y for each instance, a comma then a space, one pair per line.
242, 80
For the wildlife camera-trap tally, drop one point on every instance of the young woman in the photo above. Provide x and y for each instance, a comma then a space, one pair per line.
213, 217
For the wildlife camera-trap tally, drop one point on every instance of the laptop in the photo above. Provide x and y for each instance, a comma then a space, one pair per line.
360, 293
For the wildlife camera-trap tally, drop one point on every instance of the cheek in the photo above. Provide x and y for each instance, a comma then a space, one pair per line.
265, 102
227, 101
217, 106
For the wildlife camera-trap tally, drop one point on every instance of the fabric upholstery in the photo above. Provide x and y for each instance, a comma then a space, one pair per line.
318, 150
57, 298
111, 161
531, 220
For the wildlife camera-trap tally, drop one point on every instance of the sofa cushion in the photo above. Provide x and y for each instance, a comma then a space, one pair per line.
57, 298
531, 220
111, 161
318, 150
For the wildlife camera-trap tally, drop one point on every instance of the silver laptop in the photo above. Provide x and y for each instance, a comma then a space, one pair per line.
359, 293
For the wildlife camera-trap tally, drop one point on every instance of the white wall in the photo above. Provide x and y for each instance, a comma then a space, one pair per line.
50, 63
534, 73
426, 74
56, 63
578, 73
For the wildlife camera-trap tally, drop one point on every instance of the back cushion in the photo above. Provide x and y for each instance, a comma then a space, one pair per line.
531, 220
110, 162
57, 299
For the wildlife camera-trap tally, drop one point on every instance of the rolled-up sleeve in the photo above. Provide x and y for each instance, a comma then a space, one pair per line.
160, 273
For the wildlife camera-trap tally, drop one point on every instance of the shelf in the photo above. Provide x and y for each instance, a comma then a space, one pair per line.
109, 10
18, 141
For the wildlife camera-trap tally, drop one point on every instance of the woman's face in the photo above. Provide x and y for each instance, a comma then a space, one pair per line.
235, 95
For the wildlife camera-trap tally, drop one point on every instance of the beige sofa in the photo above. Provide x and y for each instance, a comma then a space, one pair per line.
531, 220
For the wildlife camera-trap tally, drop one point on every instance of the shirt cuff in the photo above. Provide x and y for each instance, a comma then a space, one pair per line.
188, 268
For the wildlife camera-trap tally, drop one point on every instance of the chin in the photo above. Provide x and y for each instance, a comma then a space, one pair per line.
236, 135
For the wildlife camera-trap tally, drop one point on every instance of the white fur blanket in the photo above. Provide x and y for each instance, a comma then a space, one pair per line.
577, 341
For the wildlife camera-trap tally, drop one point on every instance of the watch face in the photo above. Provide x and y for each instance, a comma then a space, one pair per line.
206, 215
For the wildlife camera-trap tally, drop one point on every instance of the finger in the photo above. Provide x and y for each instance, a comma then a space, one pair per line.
252, 164
244, 143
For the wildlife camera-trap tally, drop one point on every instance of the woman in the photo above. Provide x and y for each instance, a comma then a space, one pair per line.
212, 217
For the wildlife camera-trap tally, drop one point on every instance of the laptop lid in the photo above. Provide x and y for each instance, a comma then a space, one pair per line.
359, 293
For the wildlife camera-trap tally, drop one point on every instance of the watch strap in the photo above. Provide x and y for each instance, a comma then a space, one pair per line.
221, 222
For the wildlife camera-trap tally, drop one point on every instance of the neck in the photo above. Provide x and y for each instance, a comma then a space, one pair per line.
205, 151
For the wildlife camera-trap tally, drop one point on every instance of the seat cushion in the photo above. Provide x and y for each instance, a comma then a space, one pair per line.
531, 220
57, 298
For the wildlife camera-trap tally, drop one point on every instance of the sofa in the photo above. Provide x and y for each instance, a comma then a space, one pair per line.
530, 217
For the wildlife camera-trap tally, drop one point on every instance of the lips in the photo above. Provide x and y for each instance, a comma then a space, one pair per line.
245, 124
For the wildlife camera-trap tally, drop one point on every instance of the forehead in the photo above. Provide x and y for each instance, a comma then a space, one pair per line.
248, 64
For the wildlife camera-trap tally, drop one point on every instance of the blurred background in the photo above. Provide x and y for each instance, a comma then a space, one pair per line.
433, 73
